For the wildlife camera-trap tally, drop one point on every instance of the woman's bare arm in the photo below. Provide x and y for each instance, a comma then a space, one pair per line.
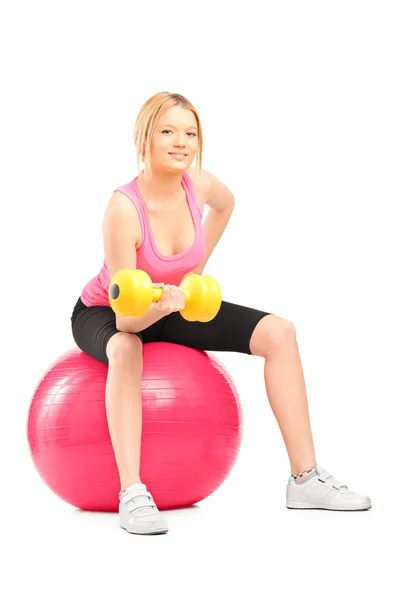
121, 232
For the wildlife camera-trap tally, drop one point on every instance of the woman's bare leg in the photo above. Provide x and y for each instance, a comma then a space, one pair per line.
124, 404
274, 338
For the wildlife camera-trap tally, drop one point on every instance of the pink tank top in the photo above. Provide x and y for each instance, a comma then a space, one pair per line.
169, 269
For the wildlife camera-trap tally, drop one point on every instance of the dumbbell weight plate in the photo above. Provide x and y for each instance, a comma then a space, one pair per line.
130, 292
203, 297
212, 299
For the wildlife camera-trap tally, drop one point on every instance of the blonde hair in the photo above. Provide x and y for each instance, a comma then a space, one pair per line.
148, 120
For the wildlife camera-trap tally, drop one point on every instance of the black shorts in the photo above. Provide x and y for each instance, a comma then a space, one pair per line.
229, 331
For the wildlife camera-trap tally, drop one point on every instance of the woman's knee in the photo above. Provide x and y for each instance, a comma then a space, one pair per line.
270, 333
124, 347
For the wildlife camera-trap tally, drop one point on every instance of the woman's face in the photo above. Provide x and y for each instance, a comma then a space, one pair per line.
175, 141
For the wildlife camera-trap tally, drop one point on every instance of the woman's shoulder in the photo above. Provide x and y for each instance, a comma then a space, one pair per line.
199, 178
202, 183
211, 190
120, 201
120, 206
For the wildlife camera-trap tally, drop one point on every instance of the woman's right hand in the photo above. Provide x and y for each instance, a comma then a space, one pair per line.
172, 299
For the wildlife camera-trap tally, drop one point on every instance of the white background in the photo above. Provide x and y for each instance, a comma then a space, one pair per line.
300, 107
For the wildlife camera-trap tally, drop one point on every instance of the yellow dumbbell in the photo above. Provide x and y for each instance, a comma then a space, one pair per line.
131, 293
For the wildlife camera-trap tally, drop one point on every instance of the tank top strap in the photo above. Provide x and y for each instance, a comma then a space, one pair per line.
129, 189
191, 193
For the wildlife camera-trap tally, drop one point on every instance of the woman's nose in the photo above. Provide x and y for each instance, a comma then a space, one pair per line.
180, 139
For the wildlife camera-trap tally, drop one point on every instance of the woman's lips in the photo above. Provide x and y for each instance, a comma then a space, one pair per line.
177, 155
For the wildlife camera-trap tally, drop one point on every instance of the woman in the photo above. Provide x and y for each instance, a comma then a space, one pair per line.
154, 223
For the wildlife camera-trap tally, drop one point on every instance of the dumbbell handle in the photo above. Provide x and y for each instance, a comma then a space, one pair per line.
157, 293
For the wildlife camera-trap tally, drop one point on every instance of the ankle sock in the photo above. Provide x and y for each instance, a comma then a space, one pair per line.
305, 475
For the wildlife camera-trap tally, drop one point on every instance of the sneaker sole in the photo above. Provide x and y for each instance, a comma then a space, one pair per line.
155, 532
305, 506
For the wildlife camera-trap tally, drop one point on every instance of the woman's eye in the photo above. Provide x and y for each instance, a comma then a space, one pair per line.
169, 131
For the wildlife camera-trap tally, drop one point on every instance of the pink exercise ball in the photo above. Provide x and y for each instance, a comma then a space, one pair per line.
191, 433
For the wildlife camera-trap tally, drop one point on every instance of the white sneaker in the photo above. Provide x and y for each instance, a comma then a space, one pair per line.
138, 512
324, 491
